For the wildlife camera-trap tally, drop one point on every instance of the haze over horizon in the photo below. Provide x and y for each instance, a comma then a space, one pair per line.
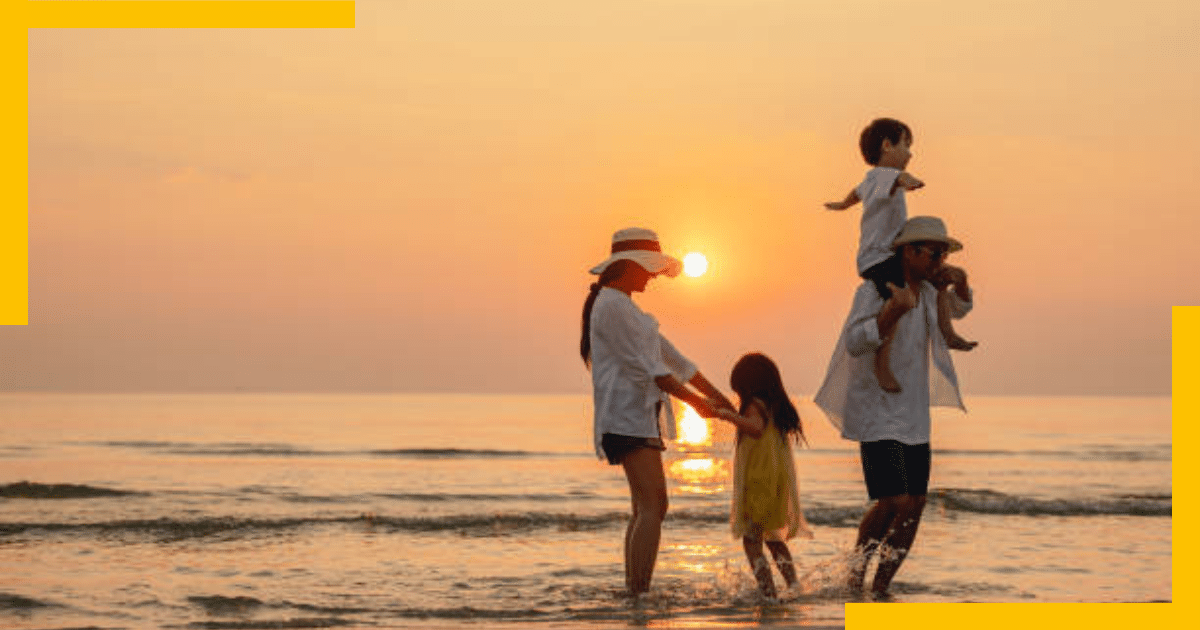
412, 205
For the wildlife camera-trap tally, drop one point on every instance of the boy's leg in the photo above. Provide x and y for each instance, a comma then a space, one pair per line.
759, 565
883, 367
783, 560
945, 324
881, 274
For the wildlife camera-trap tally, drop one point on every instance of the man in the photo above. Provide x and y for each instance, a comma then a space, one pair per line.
893, 428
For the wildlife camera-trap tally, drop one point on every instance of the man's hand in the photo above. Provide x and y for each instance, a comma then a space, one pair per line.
903, 298
838, 205
949, 275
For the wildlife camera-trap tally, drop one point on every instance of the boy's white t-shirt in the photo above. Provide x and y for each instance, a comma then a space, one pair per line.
884, 214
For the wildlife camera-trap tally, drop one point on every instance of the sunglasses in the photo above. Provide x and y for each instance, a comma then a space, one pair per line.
934, 253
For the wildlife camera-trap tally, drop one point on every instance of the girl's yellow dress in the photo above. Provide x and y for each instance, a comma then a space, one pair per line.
766, 496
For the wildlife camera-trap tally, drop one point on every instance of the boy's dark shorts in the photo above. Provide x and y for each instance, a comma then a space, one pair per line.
893, 468
882, 273
616, 447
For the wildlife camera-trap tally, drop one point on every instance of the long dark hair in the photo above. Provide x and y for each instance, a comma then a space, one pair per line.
611, 273
755, 376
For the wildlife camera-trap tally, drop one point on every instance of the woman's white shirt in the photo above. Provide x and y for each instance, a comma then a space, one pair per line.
628, 352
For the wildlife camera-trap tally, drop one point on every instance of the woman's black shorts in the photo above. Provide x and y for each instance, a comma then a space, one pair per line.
616, 447
893, 468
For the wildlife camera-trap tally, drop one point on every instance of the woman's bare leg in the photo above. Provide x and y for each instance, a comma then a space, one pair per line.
628, 537
648, 488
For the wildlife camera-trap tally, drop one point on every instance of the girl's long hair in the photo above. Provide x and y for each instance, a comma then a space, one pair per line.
755, 376
611, 273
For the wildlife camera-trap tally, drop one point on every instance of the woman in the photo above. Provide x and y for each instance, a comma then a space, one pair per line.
634, 368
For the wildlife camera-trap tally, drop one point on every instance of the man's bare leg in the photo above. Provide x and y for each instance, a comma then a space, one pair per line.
871, 531
648, 488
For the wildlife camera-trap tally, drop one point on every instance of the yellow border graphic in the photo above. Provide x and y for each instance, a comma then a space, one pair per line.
22, 15
1185, 405
26, 14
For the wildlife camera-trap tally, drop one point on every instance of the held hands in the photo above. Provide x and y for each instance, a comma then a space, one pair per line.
714, 407
729, 415
949, 275
951, 278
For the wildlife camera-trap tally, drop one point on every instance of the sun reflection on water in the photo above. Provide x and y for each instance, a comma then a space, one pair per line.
698, 470
693, 430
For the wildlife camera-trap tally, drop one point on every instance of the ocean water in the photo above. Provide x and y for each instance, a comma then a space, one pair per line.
388, 511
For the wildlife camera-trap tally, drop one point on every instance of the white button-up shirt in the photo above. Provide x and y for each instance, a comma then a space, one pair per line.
628, 352
851, 396
884, 214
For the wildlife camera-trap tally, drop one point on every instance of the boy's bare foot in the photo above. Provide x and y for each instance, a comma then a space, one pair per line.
958, 343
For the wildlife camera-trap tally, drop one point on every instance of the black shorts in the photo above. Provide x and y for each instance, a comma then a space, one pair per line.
893, 468
616, 447
882, 273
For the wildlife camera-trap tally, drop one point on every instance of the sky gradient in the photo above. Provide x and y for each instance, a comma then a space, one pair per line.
412, 205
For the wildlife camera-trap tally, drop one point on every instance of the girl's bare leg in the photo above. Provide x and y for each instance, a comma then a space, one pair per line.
783, 560
648, 488
759, 565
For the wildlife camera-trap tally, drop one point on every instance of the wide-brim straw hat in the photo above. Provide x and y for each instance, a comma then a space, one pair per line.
919, 229
641, 246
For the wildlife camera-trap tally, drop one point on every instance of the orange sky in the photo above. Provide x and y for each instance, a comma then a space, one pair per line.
412, 205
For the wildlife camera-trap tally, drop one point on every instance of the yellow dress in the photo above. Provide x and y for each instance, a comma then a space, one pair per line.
766, 496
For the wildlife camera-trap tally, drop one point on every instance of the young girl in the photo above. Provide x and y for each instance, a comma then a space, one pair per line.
766, 499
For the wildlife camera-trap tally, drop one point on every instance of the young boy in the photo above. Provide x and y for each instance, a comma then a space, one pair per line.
885, 145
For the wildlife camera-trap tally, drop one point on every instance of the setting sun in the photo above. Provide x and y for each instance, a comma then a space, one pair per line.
695, 264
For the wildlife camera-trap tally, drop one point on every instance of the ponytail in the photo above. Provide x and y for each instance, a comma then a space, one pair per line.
585, 339
611, 273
